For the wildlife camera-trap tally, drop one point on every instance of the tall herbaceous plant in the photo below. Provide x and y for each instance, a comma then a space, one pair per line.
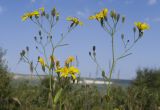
110, 22
60, 76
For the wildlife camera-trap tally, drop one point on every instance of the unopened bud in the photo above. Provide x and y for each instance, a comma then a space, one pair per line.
53, 12
23, 52
118, 16
40, 33
36, 47
122, 36
35, 38
94, 48
113, 14
57, 16
103, 73
38, 58
123, 19
27, 48
134, 29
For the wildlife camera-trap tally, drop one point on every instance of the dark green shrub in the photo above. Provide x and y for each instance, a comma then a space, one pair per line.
144, 93
4, 83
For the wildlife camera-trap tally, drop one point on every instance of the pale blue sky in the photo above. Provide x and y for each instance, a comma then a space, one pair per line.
16, 35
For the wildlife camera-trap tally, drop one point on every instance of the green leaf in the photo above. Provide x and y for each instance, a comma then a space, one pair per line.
57, 96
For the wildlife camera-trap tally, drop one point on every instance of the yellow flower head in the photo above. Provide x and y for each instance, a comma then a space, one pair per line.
64, 72
73, 70
142, 26
32, 14
70, 59
41, 61
29, 15
100, 16
75, 21
68, 71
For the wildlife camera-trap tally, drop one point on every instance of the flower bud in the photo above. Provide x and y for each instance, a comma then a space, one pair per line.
31, 67
103, 73
118, 16
122, 36
38, 58
134, 29
35, 38
57, 16
27, 48
112, 14
36, 47
94, 48
23, 53
53, 12
123, 19
39, 33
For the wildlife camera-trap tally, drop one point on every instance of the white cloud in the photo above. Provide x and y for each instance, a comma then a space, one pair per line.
128, 2
1, 9
33, 1
84, 14
155, 19
152, 2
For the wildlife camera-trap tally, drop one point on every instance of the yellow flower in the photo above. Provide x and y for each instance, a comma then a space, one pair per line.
32, 14
73, 71
29, 15
100, 16
142, 26
41, 61
64, 72
70, 59
74, 21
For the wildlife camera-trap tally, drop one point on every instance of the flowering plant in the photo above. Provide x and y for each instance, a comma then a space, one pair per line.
109, 22
49, 64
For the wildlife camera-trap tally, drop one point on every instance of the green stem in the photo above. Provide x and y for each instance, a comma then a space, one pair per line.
113, 64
